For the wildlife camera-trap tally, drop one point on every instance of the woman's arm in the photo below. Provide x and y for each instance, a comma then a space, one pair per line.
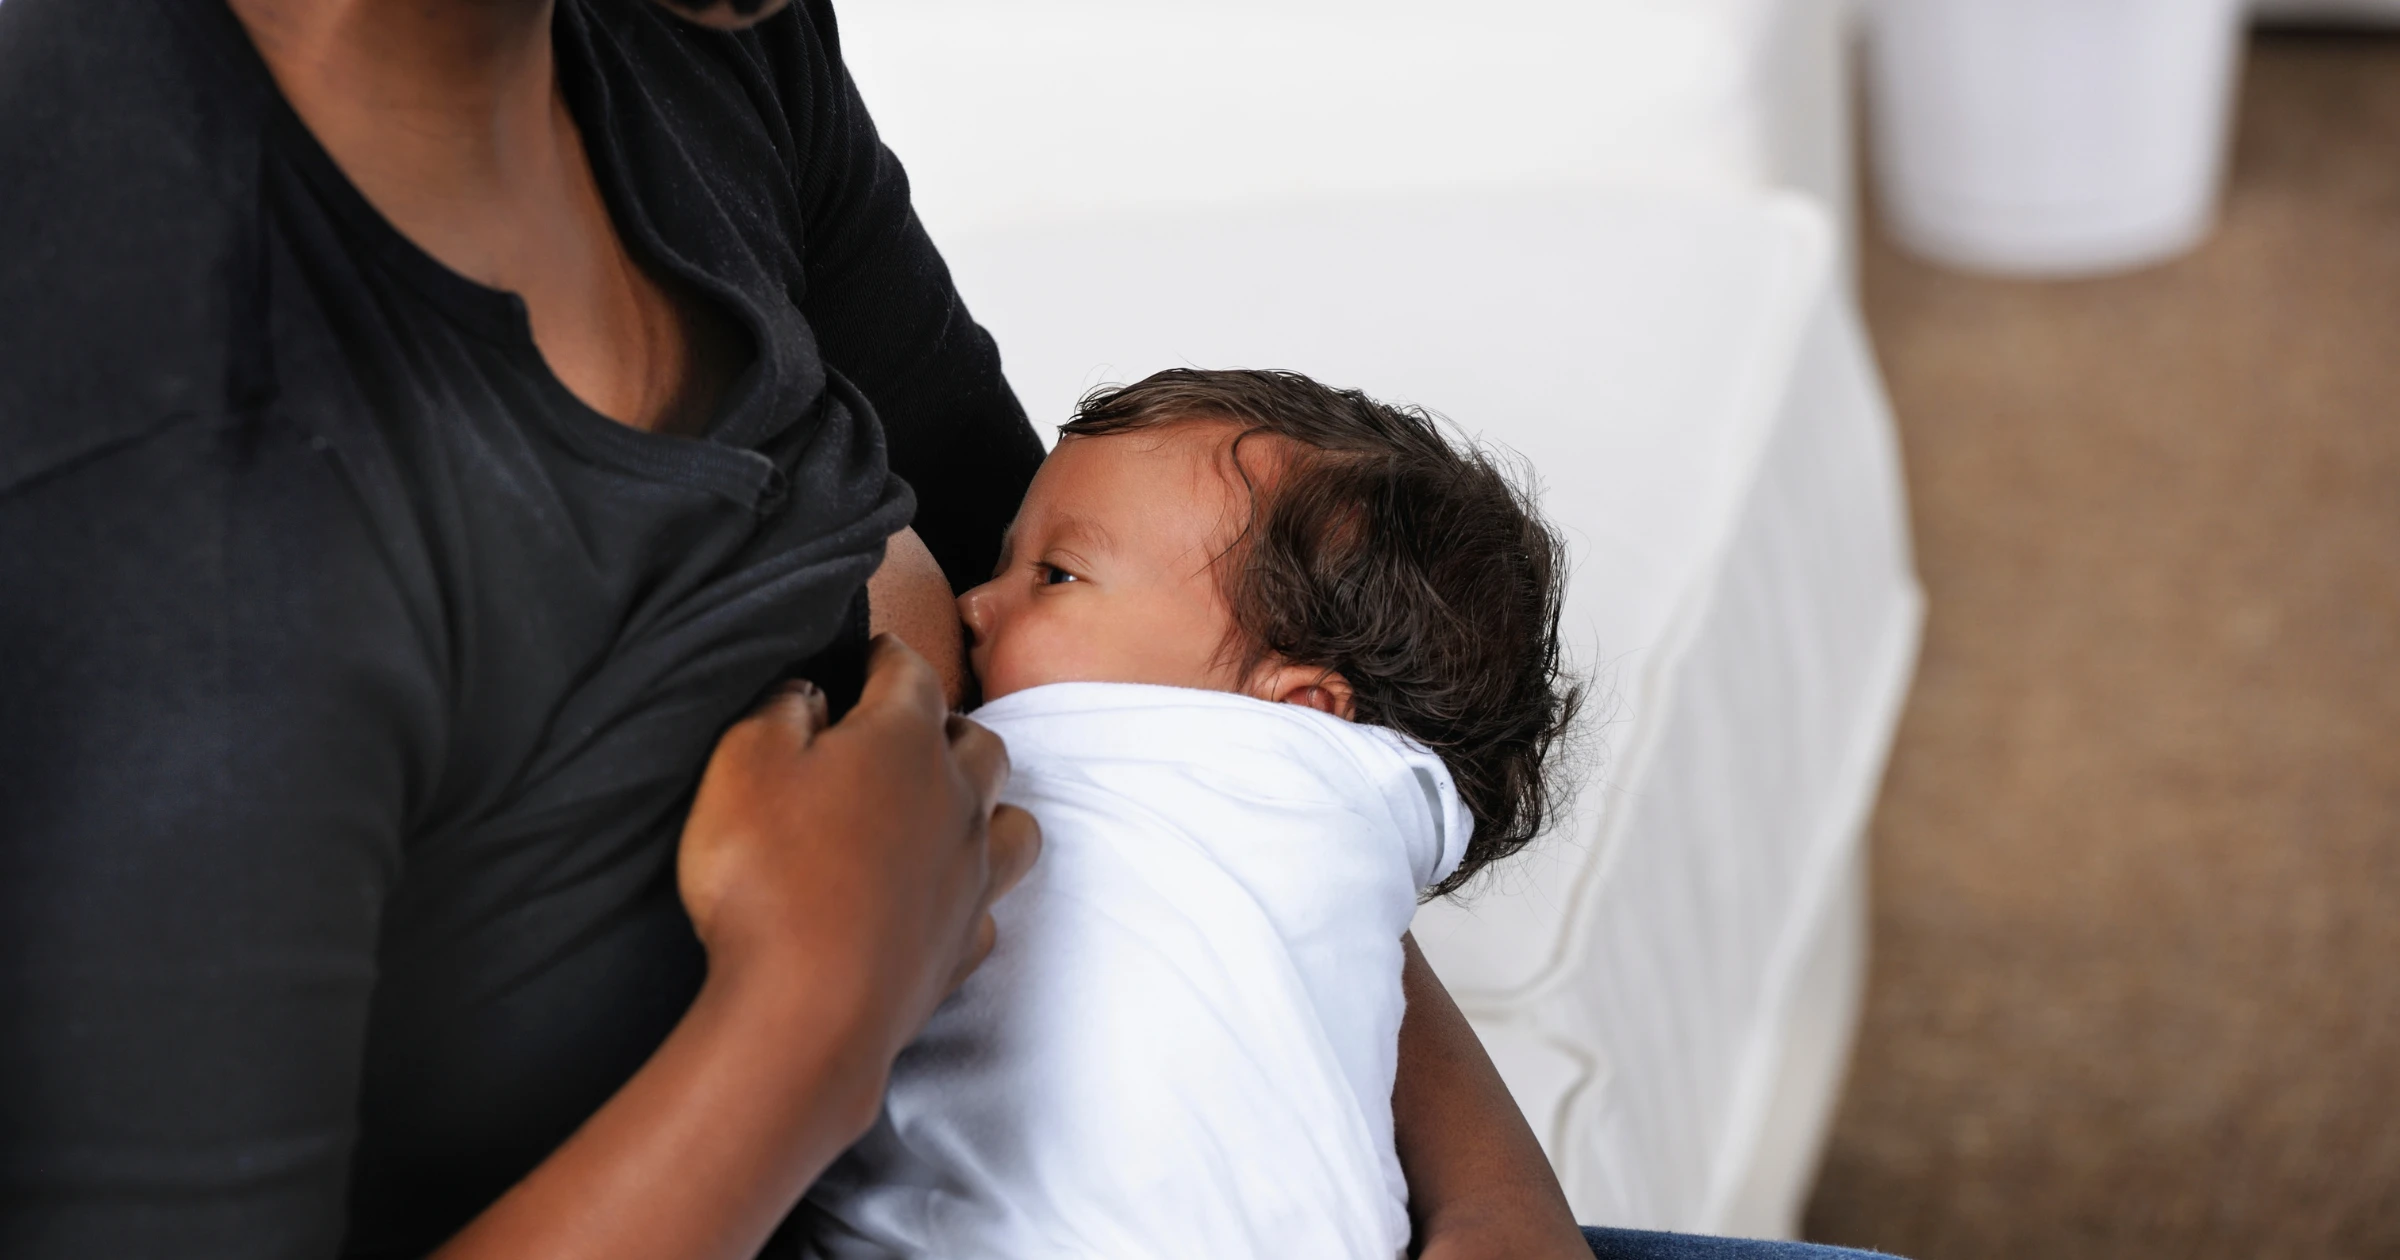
1478, 1183
841, 879
887, 316
212, 711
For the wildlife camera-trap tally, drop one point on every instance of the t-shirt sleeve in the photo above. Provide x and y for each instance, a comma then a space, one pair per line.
885, 312
213, 705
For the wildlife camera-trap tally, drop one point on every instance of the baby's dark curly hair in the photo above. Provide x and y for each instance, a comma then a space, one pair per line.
1413, 567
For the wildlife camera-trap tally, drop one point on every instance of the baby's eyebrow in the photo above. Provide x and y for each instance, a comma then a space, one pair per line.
1083, 529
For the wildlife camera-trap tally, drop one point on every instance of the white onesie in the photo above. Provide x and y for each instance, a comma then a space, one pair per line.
1184, 1044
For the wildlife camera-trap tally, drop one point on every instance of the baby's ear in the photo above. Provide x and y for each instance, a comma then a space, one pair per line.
1309, 686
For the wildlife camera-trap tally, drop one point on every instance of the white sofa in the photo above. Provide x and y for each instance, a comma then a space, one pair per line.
1552, 220
1669, 982
1026, 110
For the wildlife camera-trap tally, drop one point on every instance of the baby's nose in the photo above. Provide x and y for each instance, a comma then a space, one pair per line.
974, 608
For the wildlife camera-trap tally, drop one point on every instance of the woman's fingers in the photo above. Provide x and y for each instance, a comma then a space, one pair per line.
979, 947
1016, 841
797, 705
982, 755
899, 680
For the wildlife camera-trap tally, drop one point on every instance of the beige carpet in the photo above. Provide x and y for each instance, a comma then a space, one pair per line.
2136, 988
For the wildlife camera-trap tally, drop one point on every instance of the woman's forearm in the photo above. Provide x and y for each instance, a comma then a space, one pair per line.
1478, 1183
706, 1148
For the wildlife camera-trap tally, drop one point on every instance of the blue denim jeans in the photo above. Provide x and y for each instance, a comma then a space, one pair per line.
1642, 1244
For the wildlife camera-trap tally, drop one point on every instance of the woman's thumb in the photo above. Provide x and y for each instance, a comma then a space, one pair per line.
796, 704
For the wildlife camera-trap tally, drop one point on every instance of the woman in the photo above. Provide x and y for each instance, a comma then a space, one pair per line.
425, 428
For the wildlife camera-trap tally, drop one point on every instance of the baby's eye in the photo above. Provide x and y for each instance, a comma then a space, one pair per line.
1052, 575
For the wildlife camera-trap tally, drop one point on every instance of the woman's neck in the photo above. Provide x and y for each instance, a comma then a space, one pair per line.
447, 116
429, 106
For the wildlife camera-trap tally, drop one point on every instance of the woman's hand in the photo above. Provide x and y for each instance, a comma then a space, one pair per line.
841, 878
860, 859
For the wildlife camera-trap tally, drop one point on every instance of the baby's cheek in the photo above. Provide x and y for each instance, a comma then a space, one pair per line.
1018, 657
1055, 648
994, 676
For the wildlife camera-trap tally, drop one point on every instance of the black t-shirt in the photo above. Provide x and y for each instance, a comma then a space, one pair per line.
354, 676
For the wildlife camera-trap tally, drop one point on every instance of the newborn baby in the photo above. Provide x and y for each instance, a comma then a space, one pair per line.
1272, 661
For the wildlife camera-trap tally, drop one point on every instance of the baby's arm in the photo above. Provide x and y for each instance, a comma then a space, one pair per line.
1478, 1183
909, 597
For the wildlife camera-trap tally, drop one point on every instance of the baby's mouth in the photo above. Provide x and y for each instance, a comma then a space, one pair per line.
971, 697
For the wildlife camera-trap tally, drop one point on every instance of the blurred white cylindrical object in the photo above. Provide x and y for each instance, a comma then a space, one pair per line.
2051, 137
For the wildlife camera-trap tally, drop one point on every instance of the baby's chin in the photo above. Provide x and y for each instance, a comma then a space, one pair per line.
1004, 673
990, 689
999, 683
992, 684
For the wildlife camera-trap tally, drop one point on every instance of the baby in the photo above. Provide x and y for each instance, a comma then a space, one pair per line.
1272, 661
